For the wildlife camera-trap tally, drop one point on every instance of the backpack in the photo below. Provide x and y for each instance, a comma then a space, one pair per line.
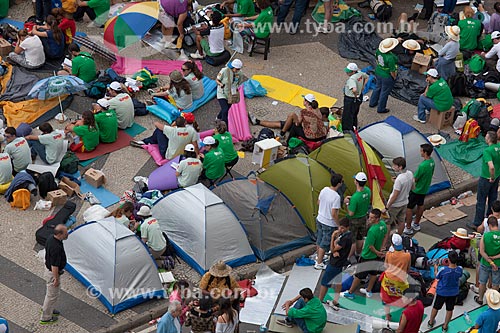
458, 84
248, 145
382, 9
46, 183
21, 199
96, 90
472, 108
426, 300
471, 130
69, 163
266, 133
476, 64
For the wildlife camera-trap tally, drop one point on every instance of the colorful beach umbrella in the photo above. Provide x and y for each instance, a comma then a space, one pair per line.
130, 24
55, 86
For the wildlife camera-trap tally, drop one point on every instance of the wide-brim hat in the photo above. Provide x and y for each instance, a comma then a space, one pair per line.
436, 140
176, 76
461, 233
453, 32
220, 269
388, 44
493, 299
411, 44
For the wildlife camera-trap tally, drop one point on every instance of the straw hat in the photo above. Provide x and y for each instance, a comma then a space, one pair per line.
176, 76
493, 299
453, 32
436, 140
411, 44
461, 233
220, 269
387, 44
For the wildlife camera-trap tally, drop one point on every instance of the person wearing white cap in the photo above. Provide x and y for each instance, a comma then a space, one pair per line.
489, 319
48, 146
123, 105
106, 120
151, 234
445, 64
357, 208
386, 72
494, 52
228, 81
437, 95
214, 166
189, 169
353, 96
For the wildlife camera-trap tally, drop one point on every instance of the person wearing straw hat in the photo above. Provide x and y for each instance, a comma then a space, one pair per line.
445, 64
218, 281
386, 72
489, 319
437, 95
353, 96
409, 48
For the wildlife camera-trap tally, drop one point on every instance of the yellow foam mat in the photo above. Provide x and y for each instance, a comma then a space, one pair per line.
329, 328
291, 93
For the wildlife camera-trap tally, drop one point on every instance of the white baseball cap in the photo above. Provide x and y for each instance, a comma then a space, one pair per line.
351, 67
360, 177
209, 140
144, 211
189, 147
397, 241
236, 63
495, 35
309, 97
103, 102
432, 72
116, 86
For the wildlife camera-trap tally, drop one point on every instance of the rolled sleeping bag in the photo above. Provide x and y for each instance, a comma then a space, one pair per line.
379, 324
432, 289
492, 86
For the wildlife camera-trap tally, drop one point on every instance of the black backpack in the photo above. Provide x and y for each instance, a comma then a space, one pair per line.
458, 84
381, 9
483, 118
46, 183
266, 133
47, 230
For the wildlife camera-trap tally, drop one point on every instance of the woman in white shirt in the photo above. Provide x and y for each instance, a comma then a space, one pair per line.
193, 76
227, 321
28, 52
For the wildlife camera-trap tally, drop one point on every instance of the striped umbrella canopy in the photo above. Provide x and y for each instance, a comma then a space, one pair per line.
131, 23
55, 86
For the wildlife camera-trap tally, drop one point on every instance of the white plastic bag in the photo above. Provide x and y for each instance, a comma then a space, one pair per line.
43, 205
460, 121
95, 213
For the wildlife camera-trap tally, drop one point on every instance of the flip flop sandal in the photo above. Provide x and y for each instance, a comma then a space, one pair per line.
478, 301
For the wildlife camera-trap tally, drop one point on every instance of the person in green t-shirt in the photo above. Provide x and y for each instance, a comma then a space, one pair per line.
96, 10
489, 248
213, 160
487, 186
106, 120
422, 181
386, 72
225, 140
470, 30
82, 66
372, 254
305, 311
244, 8
87, 131
437, 95
262, 23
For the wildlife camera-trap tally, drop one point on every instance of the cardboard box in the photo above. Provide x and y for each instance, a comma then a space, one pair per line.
441, 119
421, 63
444, 214
57, 197
5, 47
265, 152
95, 177
70, 187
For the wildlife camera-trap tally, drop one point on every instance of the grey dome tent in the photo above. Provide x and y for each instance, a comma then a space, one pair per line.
202, 228
273, 224
106, 257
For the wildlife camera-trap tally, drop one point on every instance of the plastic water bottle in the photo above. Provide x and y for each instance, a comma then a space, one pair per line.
262, 328
467, 318
465, 195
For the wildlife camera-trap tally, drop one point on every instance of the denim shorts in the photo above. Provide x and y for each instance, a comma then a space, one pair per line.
328, 278
485, 272
324, 235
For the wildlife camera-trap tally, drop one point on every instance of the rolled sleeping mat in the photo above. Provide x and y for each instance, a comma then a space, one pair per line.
492, 86
432, 289
379, 324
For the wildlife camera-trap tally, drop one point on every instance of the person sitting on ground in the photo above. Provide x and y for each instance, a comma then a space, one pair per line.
459, 241
83, 65
171, 140
169, 322
308, 124
489, 319
152, 235
372, 255
123, 105
180, 292
493, 55
447, 290
106, 120
28, 52
470, 31
96, 10
191, 122
125, 215
445, 64
201, 317
409, 47
213, 45
66, 23
193, 76
225, 140
5, 171
52, 38
178, 92
49, 145
413, 314
437, 96
18, 150
189, 170
87, 131
495, 211
244, 8
213, 160
394, 280
218, 282
305, 311
339, 259
262, 23
227, 321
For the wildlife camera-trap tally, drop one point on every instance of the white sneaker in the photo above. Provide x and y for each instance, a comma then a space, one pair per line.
368, 294
408, 231
322, 29
183, 56
415, 226
474, 289
320, 266
415, 117
169, 45
196, 55
332, 305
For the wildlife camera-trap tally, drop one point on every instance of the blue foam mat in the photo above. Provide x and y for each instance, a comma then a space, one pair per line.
106, 197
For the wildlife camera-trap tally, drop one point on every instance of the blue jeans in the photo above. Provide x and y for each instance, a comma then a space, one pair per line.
43, 8
300, 322
38, 149
381, 93
224, 110
300, 8
160, 139
424, 103
485, 190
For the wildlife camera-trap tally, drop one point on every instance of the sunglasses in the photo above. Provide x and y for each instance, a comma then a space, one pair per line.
184, 69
